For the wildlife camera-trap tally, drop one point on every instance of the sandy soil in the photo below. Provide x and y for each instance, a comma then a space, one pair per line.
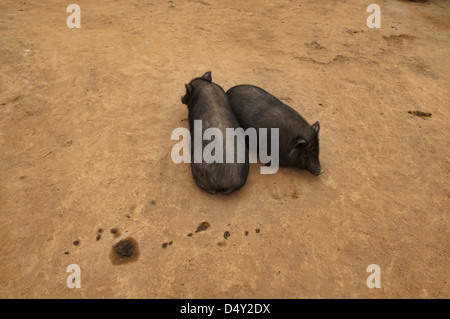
86, 117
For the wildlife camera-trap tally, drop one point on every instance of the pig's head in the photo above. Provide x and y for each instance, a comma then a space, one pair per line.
306, 151
186, 99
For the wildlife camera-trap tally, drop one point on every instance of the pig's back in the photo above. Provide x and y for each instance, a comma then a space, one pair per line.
213, 108
254, 107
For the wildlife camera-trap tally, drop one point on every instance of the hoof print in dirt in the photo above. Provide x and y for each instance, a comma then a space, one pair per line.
164, 245
99, 236
115, 232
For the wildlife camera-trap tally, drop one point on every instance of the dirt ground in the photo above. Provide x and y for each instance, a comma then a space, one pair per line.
86, 117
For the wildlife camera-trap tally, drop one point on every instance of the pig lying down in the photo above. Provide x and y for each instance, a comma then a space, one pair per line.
208, 103
213, 152
221, 124
298, 141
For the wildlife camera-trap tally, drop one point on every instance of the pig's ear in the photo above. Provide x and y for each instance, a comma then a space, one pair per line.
300, 143
207, 76
316, 127
189, 88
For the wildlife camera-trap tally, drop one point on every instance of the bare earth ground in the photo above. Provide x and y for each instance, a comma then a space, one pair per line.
86, 117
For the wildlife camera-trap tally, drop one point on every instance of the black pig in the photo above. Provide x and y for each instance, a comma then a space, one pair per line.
298, 141
207, 101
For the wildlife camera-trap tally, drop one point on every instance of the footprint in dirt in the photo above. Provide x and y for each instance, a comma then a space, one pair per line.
398, 40
279, 194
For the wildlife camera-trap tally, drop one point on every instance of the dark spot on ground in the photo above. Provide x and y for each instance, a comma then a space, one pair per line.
202, 227
115, 232
153, 202
76, 242
98, 237
222, 244
354, 31
190, 234
246, 233
257, 230
226, 234
66, 253
125, 251
164, 245
420, 113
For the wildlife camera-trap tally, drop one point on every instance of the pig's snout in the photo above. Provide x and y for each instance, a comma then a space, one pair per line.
317, 171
